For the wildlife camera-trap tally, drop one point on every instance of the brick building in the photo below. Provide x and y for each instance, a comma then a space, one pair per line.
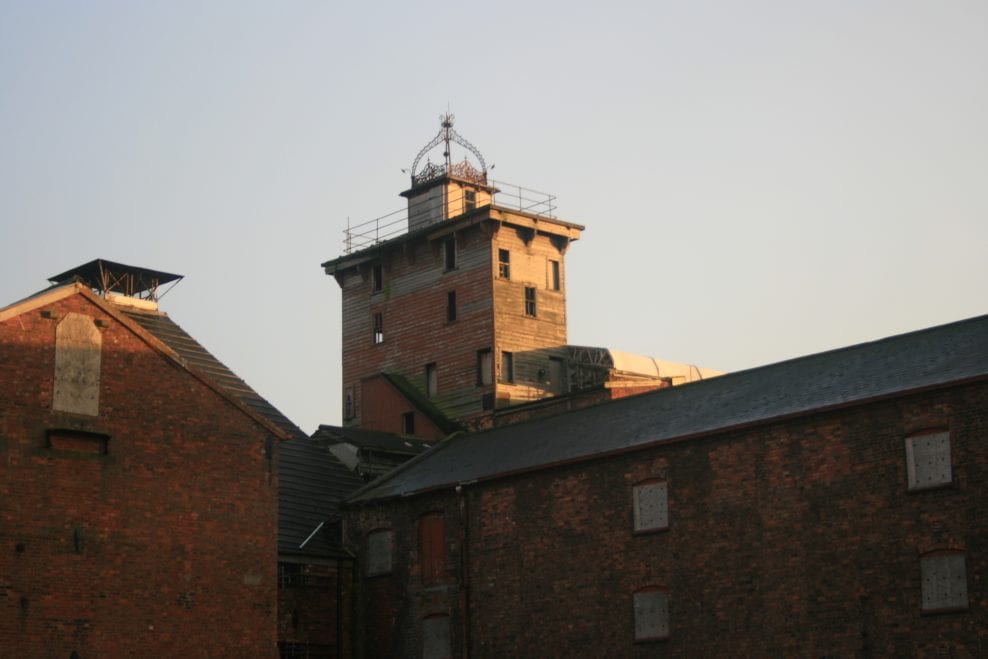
831, 505
148, 502
455, 308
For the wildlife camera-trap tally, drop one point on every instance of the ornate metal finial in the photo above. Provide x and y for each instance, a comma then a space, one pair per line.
446, 135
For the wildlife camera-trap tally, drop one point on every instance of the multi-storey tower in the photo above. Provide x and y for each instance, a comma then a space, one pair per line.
457, 306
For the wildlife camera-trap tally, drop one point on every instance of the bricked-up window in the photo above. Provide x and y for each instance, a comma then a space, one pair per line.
485, 367
529, 301
408, 423
554, 275
432, 547
435, 638
378, 328
377, 277
504, 264
944, 581
77, 441
469, 200
380, 549
651, 607
450, 306
431, 380
449, 253
928, 460
651, 506
507, 366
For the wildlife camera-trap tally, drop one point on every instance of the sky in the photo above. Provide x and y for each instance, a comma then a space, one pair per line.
758, 180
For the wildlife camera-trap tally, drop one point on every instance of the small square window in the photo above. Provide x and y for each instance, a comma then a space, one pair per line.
504, 264
651, 504
380, 547
450, 306
651, 614
449, 253
435, 638
529, 301
507, 366
431, 380
944, 582
378, 328
928, 460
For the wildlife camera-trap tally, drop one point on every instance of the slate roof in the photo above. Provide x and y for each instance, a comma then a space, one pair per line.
311, 481
909, 362
372, 439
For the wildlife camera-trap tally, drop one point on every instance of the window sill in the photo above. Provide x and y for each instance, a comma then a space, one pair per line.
655, 531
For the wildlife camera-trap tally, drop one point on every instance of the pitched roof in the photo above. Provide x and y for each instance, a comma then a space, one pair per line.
311, 481
372, 439
899, 364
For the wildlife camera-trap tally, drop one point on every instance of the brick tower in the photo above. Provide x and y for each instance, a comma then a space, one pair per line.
456, 305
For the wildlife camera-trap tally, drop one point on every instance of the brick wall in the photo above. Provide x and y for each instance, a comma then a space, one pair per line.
165, 543
314, 607
797, 538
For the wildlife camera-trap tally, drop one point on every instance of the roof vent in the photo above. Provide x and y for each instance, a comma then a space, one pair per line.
116, 280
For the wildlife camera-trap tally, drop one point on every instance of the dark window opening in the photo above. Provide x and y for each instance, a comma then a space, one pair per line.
484, 367
377, 277
554, 275
530, 301
504, 264
469, 200
449, 253
348, 407
450, 306
408, 423
507, 366
431, 380
378, 328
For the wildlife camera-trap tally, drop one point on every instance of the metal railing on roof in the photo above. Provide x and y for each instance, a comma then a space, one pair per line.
394, 224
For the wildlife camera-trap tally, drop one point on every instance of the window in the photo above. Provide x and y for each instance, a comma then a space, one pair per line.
928, 460
408, 423
377, 277
450, 306
507, 366
651, 606
432, 547
378, 328
469, 200
431, 380
435, 638
449, 253
554, 275
484, 367
380, 547
349, 410
529, 301
504, 264
651, 506
944, 581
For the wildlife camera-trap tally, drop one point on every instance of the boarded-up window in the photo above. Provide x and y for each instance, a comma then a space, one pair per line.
485, 367
77, 365
380, 545
651, 505
432, 547
435, 638
651, 614
928, 460
944, 586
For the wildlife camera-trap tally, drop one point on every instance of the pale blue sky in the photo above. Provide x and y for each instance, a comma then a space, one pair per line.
759, 180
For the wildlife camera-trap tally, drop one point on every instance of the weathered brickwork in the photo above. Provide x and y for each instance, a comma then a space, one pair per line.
315, 604
792, 538
151, 529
